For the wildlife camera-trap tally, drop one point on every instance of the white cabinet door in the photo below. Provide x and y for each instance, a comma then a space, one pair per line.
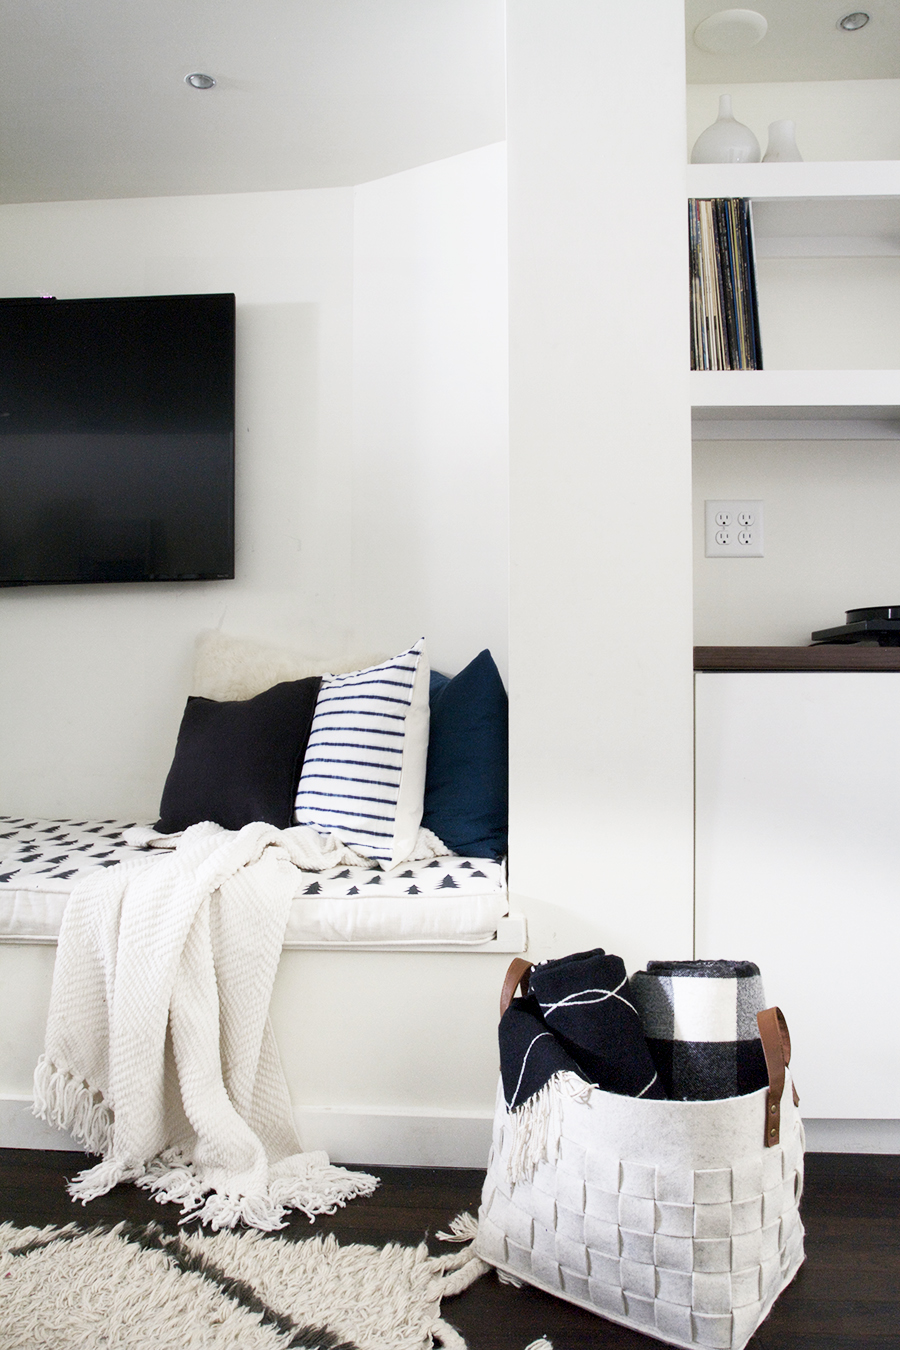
798, 867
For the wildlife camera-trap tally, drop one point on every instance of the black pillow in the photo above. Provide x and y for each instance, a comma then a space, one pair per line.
239, 762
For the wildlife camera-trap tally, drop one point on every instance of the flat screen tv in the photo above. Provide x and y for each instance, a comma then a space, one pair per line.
116, 439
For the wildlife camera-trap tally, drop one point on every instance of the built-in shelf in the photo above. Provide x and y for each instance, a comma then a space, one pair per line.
818, 178
875, 389
818, 209
795, 404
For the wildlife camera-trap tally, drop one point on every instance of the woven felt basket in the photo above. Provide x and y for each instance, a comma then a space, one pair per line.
679, 1219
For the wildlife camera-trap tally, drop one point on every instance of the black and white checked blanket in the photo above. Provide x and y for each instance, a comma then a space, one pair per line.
699, 1018
577, 1016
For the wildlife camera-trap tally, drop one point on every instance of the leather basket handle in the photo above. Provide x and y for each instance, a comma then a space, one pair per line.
776, 1044
516, 976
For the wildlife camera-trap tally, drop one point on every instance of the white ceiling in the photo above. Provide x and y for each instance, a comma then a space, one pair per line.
310, 93
803, 43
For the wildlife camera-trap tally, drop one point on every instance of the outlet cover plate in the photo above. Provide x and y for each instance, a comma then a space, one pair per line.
734, 529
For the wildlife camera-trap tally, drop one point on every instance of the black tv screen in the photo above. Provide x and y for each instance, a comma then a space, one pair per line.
116, 439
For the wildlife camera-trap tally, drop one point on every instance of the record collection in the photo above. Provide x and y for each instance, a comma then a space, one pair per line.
724, 312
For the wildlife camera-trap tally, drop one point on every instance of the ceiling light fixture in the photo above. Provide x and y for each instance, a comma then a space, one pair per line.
199, 81
850, 22
730, 31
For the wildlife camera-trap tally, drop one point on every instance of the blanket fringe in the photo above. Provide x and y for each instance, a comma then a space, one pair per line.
227, 1211
322, 1189
171, 1181
536, 1124
71, 1104
96, 1181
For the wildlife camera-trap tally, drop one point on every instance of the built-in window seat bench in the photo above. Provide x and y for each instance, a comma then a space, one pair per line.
385, 1030
441, 904
386, 1033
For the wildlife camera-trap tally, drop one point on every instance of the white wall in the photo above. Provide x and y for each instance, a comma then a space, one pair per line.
829, 313
430, 467
93, 679
831, 537
600, 590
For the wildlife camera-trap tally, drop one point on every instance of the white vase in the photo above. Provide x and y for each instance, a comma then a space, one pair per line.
726, 141
782, 147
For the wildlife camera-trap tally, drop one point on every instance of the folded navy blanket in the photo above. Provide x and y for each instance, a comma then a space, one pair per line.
578, 1015
699, 1018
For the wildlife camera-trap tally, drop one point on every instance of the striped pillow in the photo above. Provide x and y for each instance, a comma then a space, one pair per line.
363, 776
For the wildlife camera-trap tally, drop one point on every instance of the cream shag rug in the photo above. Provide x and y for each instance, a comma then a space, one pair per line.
132, 1285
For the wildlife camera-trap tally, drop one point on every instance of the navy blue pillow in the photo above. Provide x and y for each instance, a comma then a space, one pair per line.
467, 775
239, 762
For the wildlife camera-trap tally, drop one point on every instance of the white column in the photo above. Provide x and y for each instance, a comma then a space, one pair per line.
600, 596
430, 545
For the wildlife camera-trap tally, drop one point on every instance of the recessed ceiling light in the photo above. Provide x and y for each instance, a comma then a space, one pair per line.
731, 31
850, 22
199, 81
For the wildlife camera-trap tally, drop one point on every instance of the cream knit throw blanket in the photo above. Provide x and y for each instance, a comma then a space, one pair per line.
159, 1053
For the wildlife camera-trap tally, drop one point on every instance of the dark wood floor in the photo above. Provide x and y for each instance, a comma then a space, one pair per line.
846, 1296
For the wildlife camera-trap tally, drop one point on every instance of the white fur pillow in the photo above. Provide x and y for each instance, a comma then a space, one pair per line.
230, 668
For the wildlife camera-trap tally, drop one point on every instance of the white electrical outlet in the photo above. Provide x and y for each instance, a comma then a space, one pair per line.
734, 529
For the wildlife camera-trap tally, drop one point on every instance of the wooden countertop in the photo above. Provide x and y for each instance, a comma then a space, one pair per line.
825, 656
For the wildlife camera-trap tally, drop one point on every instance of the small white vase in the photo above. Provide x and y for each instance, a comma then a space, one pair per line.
726, 141
782, 147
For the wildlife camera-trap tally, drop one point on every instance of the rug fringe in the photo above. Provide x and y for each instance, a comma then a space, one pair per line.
71, 1104
461, 1270
448, 1337
464, 1228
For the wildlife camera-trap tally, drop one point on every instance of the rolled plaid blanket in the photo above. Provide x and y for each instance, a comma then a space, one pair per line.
699, 1018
